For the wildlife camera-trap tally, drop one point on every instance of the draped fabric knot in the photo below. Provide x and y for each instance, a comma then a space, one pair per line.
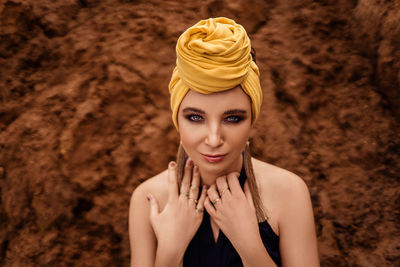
213, 56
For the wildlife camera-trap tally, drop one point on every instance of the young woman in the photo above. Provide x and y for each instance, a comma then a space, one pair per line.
218, 206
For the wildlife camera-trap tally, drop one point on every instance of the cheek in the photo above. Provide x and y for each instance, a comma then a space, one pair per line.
188, 137
239, 137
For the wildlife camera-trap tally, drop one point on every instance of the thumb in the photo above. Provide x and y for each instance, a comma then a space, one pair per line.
154, 210
248, 195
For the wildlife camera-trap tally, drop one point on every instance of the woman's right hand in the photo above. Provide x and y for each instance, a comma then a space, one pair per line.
176, 225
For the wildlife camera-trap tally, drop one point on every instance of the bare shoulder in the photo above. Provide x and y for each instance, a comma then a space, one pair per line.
277, 179
141, 235
280, 189
156, 186
287, 201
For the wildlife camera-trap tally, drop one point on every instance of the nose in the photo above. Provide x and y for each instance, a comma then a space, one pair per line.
214, 136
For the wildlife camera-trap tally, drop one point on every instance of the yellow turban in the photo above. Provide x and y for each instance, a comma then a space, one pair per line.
214, 56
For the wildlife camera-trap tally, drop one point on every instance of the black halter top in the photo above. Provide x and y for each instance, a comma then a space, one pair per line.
203, 251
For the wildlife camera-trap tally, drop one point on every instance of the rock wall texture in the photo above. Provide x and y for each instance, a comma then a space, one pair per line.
84, 118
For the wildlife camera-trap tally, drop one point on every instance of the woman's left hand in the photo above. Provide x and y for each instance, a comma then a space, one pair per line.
232, 209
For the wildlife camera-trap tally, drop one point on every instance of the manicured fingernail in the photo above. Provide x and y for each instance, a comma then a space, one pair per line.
148, 198
189, 163
196, 169
205, 186
172, 164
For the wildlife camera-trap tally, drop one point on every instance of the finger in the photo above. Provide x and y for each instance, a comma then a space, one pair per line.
209, 207
248, 195
172, 182
233, 183
187, 175
194, 188
213, 195
200, 204
154, 209
222, 186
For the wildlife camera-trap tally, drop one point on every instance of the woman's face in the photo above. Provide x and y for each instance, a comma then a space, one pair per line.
214, 129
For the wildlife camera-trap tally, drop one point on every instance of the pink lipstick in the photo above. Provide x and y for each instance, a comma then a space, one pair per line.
213, 158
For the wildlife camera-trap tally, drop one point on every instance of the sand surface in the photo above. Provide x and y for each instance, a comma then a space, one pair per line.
84, 118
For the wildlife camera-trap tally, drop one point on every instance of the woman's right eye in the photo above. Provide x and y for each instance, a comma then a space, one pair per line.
194, 117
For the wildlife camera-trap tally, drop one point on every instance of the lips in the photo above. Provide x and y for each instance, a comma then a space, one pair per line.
213, 158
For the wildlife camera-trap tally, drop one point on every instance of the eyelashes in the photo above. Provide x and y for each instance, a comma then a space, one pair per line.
197, 118
234, 119
194, 117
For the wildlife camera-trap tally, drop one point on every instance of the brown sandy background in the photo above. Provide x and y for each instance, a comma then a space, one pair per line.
84, 118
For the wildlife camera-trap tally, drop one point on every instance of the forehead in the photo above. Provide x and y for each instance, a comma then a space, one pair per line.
233, 98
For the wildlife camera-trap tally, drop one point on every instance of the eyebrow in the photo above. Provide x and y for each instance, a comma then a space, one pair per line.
193, 110
235, 111
227, 112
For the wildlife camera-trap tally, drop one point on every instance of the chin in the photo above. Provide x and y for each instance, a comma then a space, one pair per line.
216, 168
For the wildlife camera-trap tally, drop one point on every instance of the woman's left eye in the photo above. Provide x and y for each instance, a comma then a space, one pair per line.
233, 119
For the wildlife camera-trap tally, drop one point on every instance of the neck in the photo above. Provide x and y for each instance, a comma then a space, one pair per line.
208, 177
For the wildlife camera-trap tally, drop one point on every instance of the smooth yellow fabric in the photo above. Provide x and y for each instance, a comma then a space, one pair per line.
214, 56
